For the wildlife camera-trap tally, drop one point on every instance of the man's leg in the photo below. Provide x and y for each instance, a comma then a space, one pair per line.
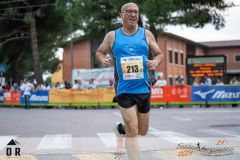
29, 106
143, 123
27, 101
130, 119
25, 98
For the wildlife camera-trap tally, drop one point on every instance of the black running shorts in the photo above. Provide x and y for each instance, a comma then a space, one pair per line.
127, 100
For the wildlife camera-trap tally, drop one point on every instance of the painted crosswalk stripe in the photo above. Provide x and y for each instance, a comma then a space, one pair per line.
221, 132
59, 141
4, 140
174, 137
109, 139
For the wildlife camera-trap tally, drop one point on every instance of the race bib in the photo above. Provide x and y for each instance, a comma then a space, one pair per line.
132, 67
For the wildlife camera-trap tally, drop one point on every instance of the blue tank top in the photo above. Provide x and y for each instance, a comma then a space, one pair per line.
130, 55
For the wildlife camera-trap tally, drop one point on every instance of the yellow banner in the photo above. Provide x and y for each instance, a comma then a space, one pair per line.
81, 96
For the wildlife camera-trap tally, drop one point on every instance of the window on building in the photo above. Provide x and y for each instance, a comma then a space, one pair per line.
176, 57
170, 81
237, 58
181, 58
170, 56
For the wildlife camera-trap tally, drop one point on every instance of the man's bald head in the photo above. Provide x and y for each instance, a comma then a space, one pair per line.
125, 6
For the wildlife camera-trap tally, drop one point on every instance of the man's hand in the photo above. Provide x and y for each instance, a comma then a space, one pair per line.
106, 62
152, 64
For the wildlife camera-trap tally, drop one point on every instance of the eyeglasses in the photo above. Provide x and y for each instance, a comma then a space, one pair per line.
130, 12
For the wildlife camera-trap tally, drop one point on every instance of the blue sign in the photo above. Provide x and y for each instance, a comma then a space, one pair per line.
215, 93
1, 97
37, 97
3, 67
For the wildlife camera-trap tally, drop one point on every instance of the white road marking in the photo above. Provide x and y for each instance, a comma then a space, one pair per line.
174, 137
221, 132
109, 139
58, 141
4, 140
181, 119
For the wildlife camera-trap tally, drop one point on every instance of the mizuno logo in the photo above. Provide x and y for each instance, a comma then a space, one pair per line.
38, 98
203, 94
223, 95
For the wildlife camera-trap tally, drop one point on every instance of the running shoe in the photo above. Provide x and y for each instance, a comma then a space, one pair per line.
119, 129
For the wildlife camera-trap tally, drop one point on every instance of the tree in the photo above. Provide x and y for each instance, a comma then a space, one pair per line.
95, 18
30, 27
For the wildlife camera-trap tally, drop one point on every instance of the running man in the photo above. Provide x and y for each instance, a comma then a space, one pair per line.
130, 46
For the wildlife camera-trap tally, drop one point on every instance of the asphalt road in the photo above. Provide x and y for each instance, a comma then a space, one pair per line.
49, 132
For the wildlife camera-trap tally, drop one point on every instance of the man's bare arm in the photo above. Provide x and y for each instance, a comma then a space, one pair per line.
105, 48
154, 48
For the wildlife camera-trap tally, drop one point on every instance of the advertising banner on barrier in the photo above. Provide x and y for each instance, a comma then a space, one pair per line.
11, 97
81, 96
37, 97
108, 94
177, 93
101, 76
215, 93
1, 97
157, 94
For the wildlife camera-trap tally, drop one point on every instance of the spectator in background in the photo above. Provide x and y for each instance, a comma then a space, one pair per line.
91, 84
27, 87
38, 87
62, 85
207, 80
57, 85
67, 85
197, 82
47, 86
160, 82
219, 82
15, 87
77, 84
234, 81
180, 81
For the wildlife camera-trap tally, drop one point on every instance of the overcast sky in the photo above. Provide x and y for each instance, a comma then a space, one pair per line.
231, 30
